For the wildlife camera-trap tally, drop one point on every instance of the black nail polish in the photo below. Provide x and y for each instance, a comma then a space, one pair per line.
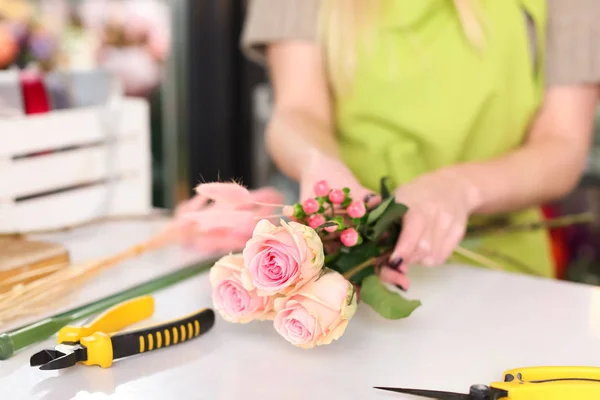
401, 288
396, 262
369, 197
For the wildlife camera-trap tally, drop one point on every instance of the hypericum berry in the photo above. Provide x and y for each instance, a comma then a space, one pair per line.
314, 221
336, 196
310, 206
356, 209
288, 211
321, 188
349, 237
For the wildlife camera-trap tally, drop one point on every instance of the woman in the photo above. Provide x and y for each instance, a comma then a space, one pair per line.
473, 109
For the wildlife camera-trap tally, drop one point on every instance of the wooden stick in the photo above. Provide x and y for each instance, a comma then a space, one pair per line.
26, 299
32, 274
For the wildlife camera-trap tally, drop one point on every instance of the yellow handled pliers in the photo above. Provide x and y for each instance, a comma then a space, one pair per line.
532, 383
96, 343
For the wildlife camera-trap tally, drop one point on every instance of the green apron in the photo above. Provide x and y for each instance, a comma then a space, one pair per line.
424, 98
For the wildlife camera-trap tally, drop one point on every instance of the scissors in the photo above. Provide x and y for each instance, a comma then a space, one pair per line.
532, 383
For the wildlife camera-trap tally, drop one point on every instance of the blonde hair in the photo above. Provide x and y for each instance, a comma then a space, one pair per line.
342, 22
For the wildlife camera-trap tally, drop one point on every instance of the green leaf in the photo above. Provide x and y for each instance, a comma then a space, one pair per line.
378, 211
392, 215
350, 257
330, 258
388, 304
385, 191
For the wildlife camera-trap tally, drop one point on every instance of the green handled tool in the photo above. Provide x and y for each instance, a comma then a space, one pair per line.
17, 339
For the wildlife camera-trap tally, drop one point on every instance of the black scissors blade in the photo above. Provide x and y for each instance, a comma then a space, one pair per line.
431, 394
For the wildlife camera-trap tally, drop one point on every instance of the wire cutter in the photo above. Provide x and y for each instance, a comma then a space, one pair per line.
533, 383
95, 343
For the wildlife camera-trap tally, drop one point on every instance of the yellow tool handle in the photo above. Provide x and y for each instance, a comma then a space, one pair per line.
102, 348
531, 374
114, 319
550, 390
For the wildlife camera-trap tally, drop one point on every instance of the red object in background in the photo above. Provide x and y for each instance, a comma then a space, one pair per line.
559, 244
35, 96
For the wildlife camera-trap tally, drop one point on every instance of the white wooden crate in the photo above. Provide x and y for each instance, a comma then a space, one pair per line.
103, 169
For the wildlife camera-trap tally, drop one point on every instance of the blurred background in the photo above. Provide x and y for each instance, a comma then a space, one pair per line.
208, 104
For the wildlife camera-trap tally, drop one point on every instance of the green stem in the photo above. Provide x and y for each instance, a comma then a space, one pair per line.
355, 270
560, 222
478, 258
373, 261
487, 262
509, 260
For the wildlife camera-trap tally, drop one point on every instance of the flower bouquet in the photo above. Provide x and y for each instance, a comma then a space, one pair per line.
308, 272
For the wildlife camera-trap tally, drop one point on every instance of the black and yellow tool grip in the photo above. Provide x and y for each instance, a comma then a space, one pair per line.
552, 373
102, 348
112, 320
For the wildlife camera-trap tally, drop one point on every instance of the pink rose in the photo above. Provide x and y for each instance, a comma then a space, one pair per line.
319, 313
234, 301
281, 259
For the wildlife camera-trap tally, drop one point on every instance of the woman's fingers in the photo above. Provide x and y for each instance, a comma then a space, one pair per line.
441, 227
394, 277
428, 237
372, 200
411, 242
453, 239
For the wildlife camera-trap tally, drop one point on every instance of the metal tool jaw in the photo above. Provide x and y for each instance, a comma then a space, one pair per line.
64, 355
477, 392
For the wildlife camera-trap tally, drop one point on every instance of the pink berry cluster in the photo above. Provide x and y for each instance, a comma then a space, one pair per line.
332, 210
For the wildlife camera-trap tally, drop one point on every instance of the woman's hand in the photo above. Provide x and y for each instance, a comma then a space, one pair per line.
439, 205
321, 167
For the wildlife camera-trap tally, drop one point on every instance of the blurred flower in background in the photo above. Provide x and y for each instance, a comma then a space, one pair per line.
43, 44
31, 40
8, 46
137, 69
135, 39
130, 38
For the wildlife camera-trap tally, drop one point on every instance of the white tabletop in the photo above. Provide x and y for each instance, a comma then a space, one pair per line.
473, 325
